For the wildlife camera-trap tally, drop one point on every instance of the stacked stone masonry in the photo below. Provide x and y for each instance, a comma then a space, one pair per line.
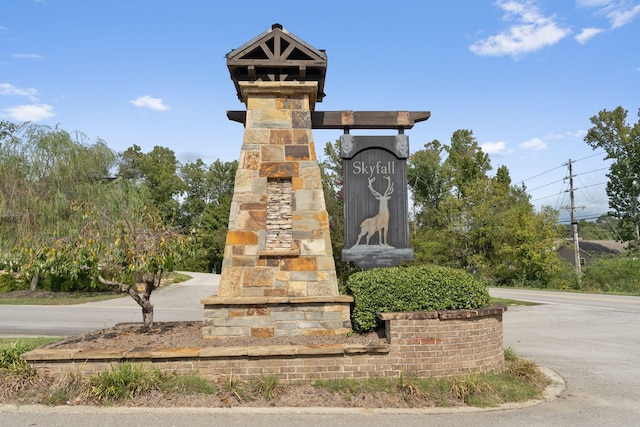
421, 344
278, 153
278, 241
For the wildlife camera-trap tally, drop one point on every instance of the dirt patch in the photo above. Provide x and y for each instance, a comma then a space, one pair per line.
189, 335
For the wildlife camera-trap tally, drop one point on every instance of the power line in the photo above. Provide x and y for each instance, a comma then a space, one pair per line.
588, 157
543, 173
545, 185
564, 164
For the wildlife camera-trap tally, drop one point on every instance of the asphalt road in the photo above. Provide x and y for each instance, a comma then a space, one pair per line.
592, 341
178, 302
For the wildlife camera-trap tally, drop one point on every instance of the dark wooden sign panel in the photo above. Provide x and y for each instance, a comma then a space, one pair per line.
375, 207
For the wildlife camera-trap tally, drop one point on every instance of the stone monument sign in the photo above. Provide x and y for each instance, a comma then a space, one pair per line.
278, 275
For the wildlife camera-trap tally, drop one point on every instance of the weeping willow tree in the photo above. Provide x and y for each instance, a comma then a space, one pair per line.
45, 174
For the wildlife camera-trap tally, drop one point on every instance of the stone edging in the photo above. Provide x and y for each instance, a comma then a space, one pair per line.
444, 314
54, 355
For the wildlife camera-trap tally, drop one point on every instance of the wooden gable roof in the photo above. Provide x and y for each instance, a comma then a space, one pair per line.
277, 55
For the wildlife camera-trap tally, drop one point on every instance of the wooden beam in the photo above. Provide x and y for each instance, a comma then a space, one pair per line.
355, 119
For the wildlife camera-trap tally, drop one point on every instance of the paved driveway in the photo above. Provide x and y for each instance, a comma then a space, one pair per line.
176, 302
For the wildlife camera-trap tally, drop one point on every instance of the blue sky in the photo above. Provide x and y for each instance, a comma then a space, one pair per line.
524, 75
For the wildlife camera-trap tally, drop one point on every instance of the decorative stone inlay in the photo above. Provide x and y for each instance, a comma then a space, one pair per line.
279, 201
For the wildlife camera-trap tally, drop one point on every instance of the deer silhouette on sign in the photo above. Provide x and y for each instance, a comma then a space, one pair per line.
379, 223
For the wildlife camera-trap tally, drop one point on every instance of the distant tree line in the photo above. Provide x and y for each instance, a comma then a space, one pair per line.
74, 214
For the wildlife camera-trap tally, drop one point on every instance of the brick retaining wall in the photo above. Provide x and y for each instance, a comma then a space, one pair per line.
422, 344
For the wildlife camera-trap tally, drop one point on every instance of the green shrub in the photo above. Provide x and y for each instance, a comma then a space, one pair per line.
423, 287
10, 358
8, 283
620, 275
82, 283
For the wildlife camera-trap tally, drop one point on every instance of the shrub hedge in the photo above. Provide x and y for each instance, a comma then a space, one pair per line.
401, 289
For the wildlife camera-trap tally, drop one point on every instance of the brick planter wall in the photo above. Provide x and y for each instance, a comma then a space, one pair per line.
441, 343
423, 344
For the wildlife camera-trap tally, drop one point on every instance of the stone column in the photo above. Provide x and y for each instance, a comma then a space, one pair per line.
278, 274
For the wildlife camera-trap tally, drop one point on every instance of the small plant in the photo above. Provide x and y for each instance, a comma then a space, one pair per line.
233, 388
10, 358
409, 388
510, 355
71, 387
465, 387
526, 370
124, 381
267, 385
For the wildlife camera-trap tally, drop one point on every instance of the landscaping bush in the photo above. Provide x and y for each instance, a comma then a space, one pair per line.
423, 287
82, 283
8, 283
618, 275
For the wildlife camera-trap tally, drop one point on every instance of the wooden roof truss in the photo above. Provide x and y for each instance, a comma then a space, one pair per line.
277, 55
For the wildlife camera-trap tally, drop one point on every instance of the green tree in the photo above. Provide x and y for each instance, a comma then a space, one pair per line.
158, 171
599, 229
470, 220
516, 243
205, 210
331, 170
44, 174
466, 162
428, 180
129, 163
123, 242
621, 141
159, 168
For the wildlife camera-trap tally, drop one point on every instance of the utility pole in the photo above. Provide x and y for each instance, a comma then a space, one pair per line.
574, 224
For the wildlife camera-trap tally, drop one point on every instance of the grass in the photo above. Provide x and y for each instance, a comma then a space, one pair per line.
30, 343
71, 298
61, 299
506, 301
520, 381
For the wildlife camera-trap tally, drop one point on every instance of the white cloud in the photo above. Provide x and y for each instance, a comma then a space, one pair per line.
530, 32
593, 3
27, 56
150, 102
494, 147
587, 34
623, 15
617, 12
30, 113
11, 90
535, 144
